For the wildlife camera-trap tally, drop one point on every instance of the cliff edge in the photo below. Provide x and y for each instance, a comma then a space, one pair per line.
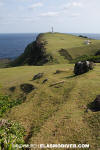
34, 54
56, 48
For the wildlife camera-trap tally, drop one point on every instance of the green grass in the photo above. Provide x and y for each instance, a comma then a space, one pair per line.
6, 103
55, 114
11, 133
74, 45
59, 113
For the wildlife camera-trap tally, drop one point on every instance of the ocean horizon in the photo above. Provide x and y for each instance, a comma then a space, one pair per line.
13, 45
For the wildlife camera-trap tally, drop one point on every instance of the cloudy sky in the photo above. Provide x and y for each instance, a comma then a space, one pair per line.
21, 16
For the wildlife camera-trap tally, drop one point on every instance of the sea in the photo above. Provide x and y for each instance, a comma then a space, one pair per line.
13, 45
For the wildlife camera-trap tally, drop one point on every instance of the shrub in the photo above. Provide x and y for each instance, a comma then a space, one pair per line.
7, 103
95, 59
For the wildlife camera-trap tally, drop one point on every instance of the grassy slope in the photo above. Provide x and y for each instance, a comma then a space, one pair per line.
55, 114
4, 63
74, 45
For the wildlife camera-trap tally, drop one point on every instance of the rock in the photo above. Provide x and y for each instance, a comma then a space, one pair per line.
45, 80
27, 88
97, 53
96, 103
38, 76
57, 83
92, 64
83, 67
12, 89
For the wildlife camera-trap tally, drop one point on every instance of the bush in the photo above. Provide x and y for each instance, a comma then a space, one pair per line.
95, 59
7, 103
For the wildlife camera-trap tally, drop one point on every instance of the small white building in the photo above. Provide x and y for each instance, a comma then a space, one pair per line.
87, 42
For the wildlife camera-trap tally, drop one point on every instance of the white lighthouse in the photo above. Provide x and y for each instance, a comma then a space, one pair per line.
52, 30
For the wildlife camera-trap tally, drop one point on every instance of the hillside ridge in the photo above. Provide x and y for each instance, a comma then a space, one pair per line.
55, 48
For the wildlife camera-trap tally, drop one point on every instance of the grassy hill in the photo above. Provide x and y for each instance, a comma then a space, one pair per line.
56, 48
72, 44
49, 112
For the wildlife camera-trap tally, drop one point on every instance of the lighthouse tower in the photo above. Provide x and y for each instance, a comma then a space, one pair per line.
52, 30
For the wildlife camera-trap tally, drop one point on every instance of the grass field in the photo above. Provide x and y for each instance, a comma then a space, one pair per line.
59, 113
74, 45
56, 114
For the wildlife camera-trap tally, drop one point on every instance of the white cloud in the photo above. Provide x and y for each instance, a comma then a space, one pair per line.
77, 4
49, 14
73, 4
11, 20
35, 5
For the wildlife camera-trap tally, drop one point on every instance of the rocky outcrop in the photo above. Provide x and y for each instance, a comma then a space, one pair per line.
27, 88
97, 53
44, 81
34, 54
38, 76
96, 103
82, 67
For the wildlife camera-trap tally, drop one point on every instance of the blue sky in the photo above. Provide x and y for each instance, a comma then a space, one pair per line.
25, 16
